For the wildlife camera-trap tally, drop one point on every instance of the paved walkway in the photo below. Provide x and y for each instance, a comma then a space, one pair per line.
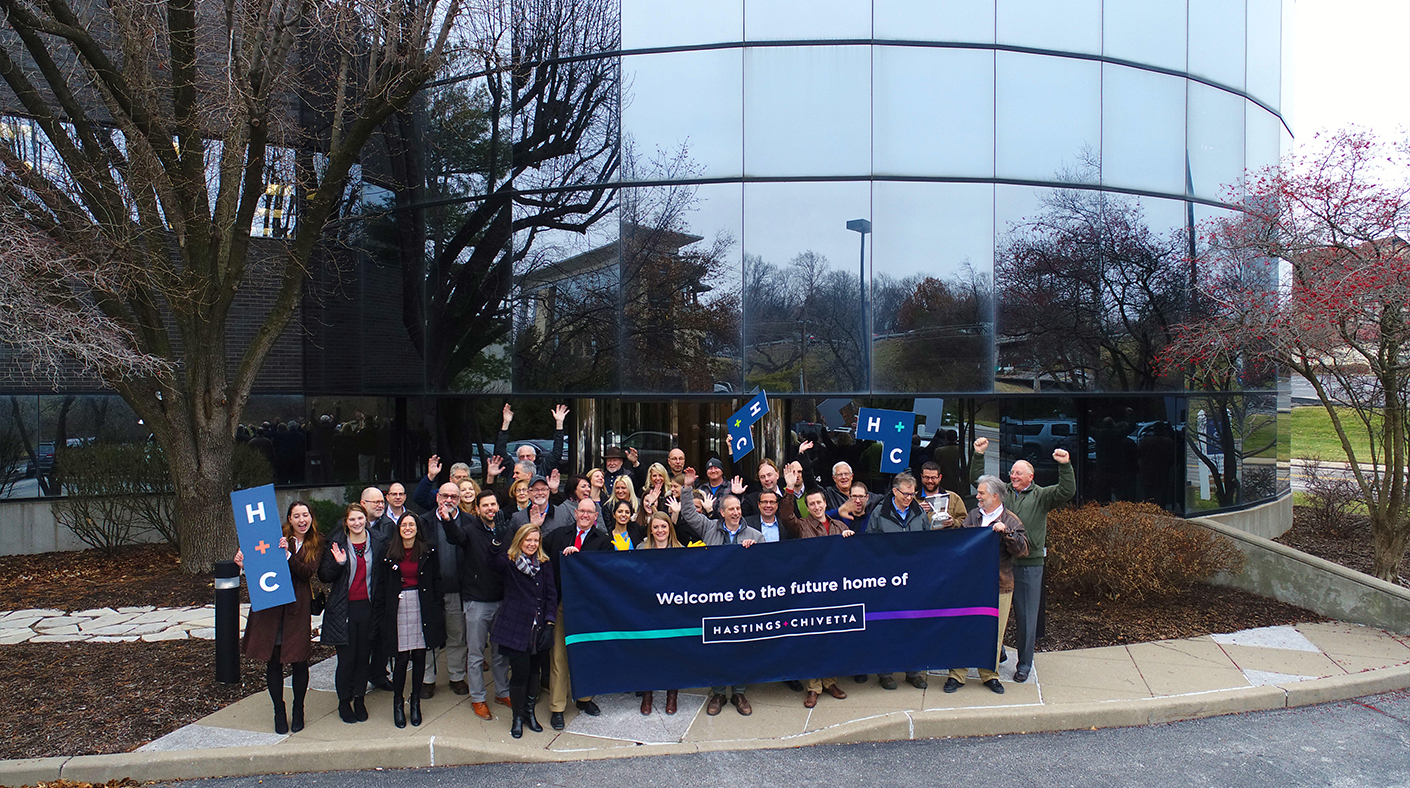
110, 625
1139, 684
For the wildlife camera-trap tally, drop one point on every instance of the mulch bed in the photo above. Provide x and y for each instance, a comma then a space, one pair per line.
89, 698
1348, 543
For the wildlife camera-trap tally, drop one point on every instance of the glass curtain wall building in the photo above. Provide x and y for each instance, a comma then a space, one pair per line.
985, 210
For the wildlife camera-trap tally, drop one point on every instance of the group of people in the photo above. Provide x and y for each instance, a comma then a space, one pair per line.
478, 573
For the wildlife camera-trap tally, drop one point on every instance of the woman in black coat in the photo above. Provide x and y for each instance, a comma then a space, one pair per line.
409, 610
523, 629
347, 569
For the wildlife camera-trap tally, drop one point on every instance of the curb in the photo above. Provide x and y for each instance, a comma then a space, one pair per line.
892, 726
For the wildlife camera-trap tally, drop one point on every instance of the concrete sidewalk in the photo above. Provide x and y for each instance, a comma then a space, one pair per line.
1138, 684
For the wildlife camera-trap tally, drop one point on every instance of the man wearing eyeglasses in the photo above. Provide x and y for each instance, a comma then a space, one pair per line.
900, 514
433, 531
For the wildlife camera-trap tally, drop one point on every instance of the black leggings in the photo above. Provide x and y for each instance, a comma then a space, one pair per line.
274, 678
354, 657
524, 672
418, 670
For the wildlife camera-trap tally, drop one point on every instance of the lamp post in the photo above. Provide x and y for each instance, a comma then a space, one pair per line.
862, 227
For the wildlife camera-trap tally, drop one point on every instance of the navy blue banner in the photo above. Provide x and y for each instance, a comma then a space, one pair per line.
805, 608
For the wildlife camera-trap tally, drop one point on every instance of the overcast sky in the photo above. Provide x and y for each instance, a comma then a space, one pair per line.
1349, 62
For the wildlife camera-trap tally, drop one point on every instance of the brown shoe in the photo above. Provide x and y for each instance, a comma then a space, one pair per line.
646, 703
504, 701
717, 702
427, 690
670, 701
460, 688
742, 703
481, 710
810, 700
836, 692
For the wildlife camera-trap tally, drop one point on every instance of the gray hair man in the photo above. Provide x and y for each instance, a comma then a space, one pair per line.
433, 531
1030, 503
1013, 543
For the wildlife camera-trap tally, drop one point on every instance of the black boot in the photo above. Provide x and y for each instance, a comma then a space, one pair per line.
281, 721
530, 721
345, 711
296, 722
415, 709
516, 728
359, 708
399, 711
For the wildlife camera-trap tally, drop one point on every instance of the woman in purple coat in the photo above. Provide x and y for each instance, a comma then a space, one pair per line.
279, 636
523, 630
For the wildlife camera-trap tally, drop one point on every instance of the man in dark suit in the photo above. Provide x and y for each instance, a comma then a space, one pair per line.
560, 544
766, 521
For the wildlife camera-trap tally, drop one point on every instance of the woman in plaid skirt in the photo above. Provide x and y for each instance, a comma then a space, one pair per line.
408, 611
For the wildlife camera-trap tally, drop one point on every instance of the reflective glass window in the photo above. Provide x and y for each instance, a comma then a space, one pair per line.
807, 111
1216, 147
567, 312
1263, 140
682, 114
1063, 25
1145, 31
933, 111
931, 287
934, 20
1048, 118
1217, 41
802, 284
26, 456
1143, 130
1265, 51
790, 20
671, 23
681, 288
1086, 287
1031, 429
1134, 450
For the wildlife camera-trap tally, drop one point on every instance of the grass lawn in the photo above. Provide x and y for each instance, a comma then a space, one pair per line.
1313, 435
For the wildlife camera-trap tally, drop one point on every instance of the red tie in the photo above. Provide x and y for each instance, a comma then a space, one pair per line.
578, 541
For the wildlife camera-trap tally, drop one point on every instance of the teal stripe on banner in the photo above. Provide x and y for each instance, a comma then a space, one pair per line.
639, 634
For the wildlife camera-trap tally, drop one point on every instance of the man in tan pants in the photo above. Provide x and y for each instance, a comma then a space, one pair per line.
561, 543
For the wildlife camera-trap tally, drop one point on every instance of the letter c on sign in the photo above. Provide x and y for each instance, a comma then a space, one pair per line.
896, 454
739, 444
265, 584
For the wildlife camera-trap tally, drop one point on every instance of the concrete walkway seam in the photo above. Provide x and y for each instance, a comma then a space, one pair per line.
901, 725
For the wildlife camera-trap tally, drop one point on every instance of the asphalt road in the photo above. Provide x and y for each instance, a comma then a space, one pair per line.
1363, 742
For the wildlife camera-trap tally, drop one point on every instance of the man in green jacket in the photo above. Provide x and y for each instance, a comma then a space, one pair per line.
1031, 503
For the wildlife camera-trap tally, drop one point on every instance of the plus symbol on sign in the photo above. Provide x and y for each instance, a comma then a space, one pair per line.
262, 546
900, 426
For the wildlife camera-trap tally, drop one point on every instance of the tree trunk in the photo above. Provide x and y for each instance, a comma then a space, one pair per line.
199, 446
1389, 538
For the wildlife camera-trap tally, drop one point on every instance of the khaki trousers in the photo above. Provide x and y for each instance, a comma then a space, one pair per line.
559, 681
959, 674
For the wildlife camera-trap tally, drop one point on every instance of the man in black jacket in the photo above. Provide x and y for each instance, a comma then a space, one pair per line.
560, 544
447, 508
477, 539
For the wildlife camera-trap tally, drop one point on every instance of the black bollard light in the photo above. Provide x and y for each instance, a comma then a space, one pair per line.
227, 622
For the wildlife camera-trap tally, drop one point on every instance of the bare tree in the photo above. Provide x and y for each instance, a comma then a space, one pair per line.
164, 128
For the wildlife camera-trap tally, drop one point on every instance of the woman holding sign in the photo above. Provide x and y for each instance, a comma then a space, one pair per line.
409, 612
347, 619
523, 629
282, 635
661, 534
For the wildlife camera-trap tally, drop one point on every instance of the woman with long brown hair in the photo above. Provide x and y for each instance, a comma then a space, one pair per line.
409, 611
282, 635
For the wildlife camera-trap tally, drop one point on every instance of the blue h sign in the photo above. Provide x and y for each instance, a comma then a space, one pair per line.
266, 567
894, 429
740, 425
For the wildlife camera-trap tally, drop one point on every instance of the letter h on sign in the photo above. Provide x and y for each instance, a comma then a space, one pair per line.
740, 425
266, 566
894, 429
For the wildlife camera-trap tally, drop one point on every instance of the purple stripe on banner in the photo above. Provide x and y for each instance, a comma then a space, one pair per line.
941, 613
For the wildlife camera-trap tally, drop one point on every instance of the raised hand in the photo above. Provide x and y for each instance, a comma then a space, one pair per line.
673, 505
559, 413
980, 445
1061, 456
536, 515
689, 477
737, 485
338, 554
433, 466
494, 466
649, 500
804, 446
508, 417
790, 477
553, 479
632, 456
240, 559
709, 501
